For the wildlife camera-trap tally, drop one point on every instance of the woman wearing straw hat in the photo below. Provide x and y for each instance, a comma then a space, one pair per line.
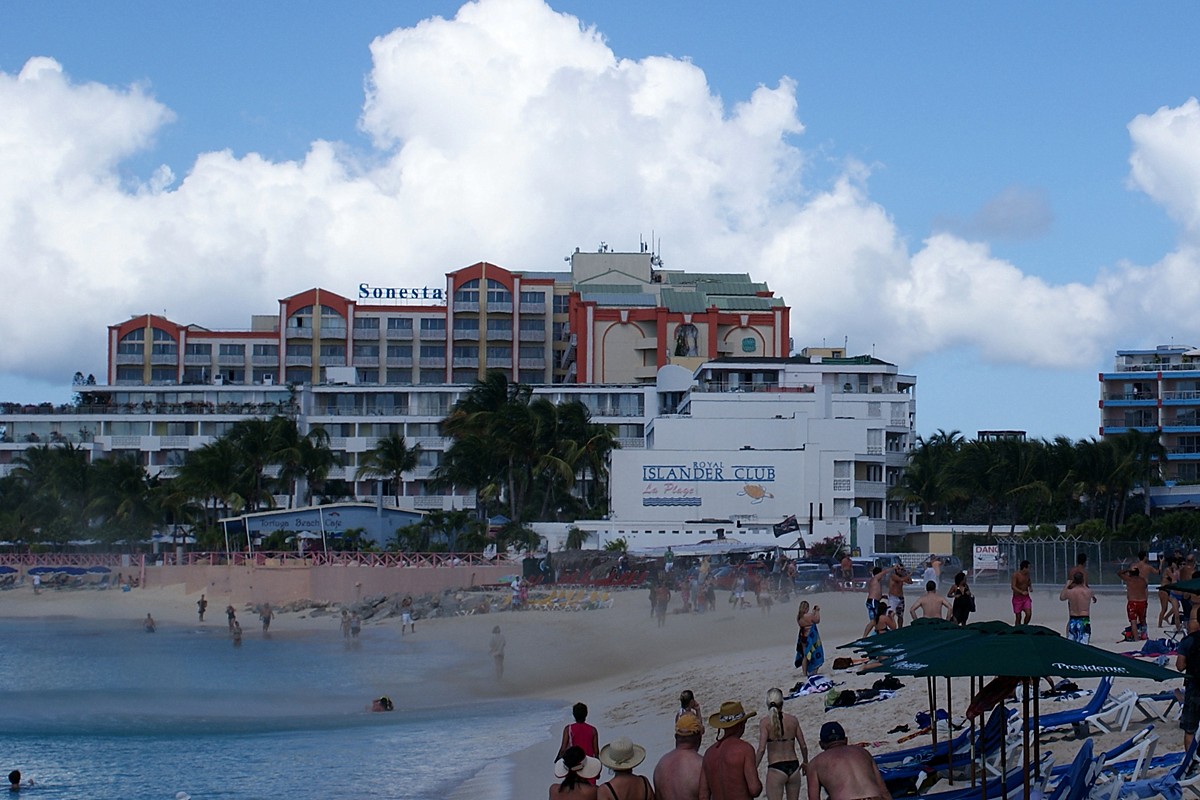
621, 756
778, 735
577, 770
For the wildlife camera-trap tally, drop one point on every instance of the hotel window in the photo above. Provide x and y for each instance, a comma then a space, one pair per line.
533, 297
125, 348
399, 377
399, 324
135, 335
433, 323
498, 293
433, 351
366, 351
503, 326
429, 377
465, 325
562, 302
128, 375
266, 350
559, 331
164, 349
533, 325
301, 350
368, 376
532, 351
163, 375
232, 350
500, 352
334, 350
366, 323
198, 350
299, 375
466, 351
467, 292
162, 336
401, 350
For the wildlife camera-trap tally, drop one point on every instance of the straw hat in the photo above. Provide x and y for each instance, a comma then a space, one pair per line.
587, 769
731, 714
622, 754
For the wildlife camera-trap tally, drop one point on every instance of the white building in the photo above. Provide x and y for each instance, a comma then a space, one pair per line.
746, 443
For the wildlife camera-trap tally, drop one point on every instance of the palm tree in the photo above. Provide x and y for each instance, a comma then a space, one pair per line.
390, 458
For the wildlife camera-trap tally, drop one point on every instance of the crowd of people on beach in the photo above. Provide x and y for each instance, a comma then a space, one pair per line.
727, 769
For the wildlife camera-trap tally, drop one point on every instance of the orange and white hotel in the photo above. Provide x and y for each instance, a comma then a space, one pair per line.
615, 318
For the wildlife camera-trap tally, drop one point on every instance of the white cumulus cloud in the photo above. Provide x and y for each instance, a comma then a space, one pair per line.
513, 133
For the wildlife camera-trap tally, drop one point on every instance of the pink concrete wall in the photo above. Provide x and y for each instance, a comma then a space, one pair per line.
334, 584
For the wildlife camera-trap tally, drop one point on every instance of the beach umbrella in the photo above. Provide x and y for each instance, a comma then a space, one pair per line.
44, 570
1022, 651
919, 631
76, 571
5, 569
99, 570
1191, 586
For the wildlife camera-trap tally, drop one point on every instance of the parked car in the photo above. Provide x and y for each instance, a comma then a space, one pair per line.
811, 577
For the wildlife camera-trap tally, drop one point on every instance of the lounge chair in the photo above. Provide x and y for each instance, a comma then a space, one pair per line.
1162, 706
903, 778
1117, 712
1128, 761
1011, 786
1169, 785
1078, 716
1078, 782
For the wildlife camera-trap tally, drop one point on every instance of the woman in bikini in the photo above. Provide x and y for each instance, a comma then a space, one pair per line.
621, 757
1169, 601
577, 771
885, 620
778, 735
810, 653
961, 598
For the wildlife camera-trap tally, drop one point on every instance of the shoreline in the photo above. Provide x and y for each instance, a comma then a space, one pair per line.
629, 671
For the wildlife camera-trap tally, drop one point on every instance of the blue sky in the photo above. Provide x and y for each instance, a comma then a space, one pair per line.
955, 187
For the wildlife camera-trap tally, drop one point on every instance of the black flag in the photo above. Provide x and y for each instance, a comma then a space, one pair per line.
788, 525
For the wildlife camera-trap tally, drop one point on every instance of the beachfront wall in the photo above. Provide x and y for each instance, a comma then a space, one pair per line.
333, 584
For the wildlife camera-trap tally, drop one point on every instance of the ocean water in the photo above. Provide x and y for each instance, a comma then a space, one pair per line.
104, 710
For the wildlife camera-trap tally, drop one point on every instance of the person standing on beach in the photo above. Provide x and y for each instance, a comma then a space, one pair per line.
677, 774
896, 583
231, 616
875, 594
621, 756
962, 599
810, 653
37, 584
265, 615
1022, 600
778, 735
201, 607
845, 771
580, 734
578, 773
1168, 601
730, 771
689, 705
496, 648
931, 604
1187, 661
355, 625
1079, 608
237, 633
662, 600
1136, 598
933, 571
345, 624
406, 617
148, 624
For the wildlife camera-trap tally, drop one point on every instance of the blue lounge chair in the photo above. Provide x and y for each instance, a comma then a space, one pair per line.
1077, 782
904, 778
1078, 716
1169, 785
1011, 786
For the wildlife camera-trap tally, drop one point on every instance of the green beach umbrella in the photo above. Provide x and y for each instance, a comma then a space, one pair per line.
1191, 586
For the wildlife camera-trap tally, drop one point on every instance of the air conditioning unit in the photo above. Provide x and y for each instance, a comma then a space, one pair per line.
219, 379
268, 379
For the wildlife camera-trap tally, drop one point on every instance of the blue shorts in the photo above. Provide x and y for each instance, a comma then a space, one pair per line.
871, 609
1079, 629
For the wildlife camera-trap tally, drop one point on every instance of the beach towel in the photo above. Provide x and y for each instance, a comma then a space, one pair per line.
855, 698
810, 648
816, 684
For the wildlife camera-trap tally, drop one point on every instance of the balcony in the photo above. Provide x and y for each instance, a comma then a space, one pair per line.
336, 361
194, 359
462, 361
333, 331
130, 358
500, 335
498, 362
532, 335
433, 362
399, 361
298, 333
164, 359
365, 334
466, 306
532, 363
500, 308
264, 361
468, 334
298, 361
436, 335
533, 308
231, 360
399, 334
366, 361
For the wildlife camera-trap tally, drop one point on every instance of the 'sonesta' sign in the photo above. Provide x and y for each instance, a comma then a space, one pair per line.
368, 292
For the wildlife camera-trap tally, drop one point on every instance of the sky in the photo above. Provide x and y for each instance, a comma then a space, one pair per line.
994, 197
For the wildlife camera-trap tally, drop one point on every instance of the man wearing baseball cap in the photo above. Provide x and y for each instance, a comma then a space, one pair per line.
730, 769
677, 774
845, 771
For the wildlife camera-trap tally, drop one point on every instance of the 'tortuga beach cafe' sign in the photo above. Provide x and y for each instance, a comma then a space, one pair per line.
368, 292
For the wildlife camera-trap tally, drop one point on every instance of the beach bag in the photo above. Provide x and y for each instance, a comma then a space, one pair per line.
890, 683
1154, 647
846, 698
843, 662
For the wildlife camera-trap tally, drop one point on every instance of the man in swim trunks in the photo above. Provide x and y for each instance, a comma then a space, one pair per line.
896, 582
875, 594
1022, 601
1135, 601
931, 604
406, 617
845, 771
1187, 661
677, 774
1079, 608
729, 769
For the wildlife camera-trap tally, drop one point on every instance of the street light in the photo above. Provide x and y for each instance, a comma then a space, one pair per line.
854, 514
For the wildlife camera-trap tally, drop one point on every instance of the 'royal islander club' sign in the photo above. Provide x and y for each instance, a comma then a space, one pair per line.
397, 293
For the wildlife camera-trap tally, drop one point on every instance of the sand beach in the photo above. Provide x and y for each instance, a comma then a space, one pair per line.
629, 671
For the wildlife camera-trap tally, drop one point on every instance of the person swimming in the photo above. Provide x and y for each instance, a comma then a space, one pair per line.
382, 704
